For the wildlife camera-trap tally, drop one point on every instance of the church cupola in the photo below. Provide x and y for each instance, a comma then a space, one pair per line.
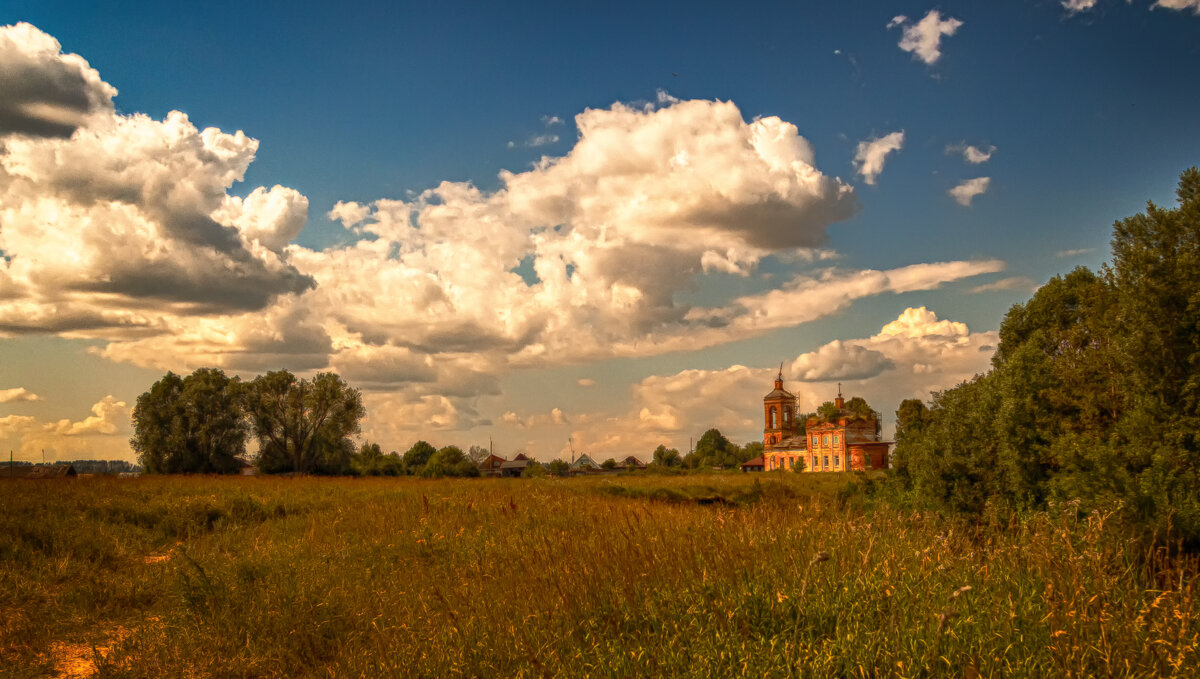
779, 413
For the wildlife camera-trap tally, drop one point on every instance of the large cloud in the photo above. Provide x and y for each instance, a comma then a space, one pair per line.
102, 435
124, 219
910, 357
46, 93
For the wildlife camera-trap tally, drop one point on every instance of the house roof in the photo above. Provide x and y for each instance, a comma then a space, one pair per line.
756, 462
792, 443
583, 461
515, 464
779, 393
41, 471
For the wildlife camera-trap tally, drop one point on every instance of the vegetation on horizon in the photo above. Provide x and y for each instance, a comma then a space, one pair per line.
1094, 393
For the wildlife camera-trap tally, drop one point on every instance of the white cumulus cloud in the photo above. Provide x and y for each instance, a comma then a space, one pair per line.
1193, 5
871, 154
17, 394
964, 193
924, 38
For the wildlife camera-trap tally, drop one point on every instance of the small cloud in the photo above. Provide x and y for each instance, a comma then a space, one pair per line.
872, 153
665, 98
1011, 283
1064, 254
1076, 6
587, 382
551, 120
972, 154
924, 38
541, 140
512, 144
1193, 5
965, 192
18, 394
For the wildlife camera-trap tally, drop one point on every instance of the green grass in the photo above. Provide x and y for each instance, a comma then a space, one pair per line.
712, 575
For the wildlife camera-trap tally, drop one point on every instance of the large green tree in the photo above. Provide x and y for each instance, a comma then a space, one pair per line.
1094, 392
190, 425
303, 425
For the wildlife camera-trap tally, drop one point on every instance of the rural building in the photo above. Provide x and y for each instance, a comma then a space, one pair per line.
758, 464
847, 441
631, 463
583, 463
491, 466
38, 471
514, 467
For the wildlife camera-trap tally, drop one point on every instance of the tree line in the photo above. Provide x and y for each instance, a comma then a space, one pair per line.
1093, 397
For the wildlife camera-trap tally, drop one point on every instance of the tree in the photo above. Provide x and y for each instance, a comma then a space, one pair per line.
303, 425
478, 454
714, 450
666, 457
190, 425
558, 467
858, 407
534, 470
609, 464
1094, 392
370, 461
751, 450
828, 411
417, 456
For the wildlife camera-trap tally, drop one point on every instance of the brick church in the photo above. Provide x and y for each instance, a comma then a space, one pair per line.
846, 441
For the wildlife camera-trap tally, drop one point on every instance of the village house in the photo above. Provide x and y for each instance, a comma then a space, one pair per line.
843, 441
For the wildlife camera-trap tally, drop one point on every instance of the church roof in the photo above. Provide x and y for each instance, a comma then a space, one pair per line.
779, 393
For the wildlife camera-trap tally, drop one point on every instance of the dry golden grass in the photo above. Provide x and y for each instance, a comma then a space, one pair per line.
614, 576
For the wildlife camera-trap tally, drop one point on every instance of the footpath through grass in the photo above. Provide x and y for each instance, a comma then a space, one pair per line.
617, 576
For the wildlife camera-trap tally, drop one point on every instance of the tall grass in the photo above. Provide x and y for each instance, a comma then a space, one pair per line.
753, 575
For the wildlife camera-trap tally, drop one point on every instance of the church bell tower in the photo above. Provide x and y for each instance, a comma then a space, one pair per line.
779, 413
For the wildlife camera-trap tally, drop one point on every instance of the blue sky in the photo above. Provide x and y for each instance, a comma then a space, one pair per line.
1082, 115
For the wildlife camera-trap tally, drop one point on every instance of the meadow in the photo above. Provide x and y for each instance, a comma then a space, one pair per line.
615, 576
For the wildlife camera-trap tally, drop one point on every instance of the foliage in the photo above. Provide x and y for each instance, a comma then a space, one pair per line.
714, 450
609, 464
828, 411
303, 425
171, 576
417, 456
667, 457
449, 461
478, 454
370, 461
190, 425
533, 470
557, 467
1094, 393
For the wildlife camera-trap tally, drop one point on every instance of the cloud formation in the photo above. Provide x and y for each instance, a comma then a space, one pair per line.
1193, 5
46, 93
1076, 6
871, 154
17, 394
102, 435
924, 38
143, 226
973, 154
910, 357
964, 193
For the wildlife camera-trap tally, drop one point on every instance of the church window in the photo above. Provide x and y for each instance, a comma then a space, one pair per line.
836, 461
826, 461
774, 418
814, 461
787, 415
827, 439
835, 439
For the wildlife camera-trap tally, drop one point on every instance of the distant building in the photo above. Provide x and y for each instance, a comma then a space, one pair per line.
846, 441
491, 465
584, 463
758, 464
630, 463
38, 471
514, 467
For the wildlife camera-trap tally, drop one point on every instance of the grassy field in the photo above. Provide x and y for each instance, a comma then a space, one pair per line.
622, 576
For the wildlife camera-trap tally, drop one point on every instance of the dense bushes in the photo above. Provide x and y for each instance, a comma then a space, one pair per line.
1094, 393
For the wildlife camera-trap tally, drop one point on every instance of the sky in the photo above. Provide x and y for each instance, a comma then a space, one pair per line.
567, 227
